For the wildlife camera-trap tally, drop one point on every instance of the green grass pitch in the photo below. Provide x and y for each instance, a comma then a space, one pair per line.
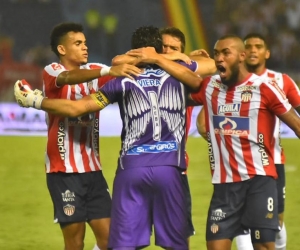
26, 214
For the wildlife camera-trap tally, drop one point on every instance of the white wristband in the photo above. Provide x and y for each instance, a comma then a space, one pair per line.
104, 71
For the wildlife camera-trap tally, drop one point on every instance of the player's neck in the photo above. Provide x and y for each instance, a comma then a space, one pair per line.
69, 65
257, 69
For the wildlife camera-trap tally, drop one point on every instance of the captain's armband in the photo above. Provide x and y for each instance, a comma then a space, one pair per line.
100, 99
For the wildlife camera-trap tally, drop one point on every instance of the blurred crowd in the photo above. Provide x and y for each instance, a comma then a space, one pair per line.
277, 20
108, 28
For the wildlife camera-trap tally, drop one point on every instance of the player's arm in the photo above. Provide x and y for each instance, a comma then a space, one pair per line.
76, 76
200, 123
72, 108
183, 74
292, 92
291, 119
206, 64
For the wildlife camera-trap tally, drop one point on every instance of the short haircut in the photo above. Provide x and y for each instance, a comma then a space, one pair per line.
147, 36
59, 31
259, 36
239, 41
175, 32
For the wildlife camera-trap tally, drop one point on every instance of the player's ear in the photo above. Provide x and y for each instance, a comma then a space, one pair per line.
268, 54
61, 50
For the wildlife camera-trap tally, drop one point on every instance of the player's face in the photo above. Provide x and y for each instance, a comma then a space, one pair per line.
171, 44
227, 59
74, 48
256, 52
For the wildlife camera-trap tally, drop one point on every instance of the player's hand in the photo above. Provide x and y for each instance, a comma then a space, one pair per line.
200, 52
176, 55
126, 70
26, 97
145, 55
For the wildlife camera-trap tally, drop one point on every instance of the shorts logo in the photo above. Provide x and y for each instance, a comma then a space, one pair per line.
69, 210
214, 228
68, 196
217, 215
269, 215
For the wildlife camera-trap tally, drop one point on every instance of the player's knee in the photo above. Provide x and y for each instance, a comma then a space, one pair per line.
262, 235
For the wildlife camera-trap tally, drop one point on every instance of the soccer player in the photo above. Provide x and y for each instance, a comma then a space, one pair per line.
173, 40
148, 185
257, 53
75, 181
240, 111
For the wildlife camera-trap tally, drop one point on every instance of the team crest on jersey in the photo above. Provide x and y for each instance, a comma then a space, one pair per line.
69, 210
231, 125
90, 85
246, 96
214, 228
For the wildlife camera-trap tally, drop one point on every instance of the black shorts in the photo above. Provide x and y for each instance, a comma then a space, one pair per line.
237, 207
280, 187
79, 197
191, 230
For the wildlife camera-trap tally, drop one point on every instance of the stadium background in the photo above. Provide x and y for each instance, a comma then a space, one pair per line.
25, 26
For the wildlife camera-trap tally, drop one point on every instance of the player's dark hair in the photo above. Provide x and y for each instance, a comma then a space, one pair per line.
259, 36
147, 36
175, 32
59, 31
228, 36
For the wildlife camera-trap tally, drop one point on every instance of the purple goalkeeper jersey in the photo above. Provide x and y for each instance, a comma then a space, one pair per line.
153, 109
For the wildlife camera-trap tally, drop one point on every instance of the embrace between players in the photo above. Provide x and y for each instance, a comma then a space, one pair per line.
149, 187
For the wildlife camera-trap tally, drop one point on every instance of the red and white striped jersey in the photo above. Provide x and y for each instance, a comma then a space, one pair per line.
73, 143
240, 123
293, 95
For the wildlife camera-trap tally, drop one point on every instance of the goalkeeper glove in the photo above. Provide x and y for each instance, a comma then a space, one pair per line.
26, 97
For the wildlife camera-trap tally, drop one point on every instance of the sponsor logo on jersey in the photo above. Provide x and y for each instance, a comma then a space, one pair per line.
68, 196
155, 72
262, 151
159, 147
86, 120
96, 137
69, 210
229, 108
149, 82
232, 125
210, 152
56, 66
217, 215
218, 85
214, 228
61, 140
246, 88
246, 96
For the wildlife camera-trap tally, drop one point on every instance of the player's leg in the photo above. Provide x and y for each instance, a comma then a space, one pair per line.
169, 208
98, 203
67, 193
281, 237
224, 215
243, 242
131, 209
190, 229
261, 213
73, 235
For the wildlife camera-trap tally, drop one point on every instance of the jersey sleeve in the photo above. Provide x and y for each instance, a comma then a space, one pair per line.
104, 79
199, 97
50, 74
275, 99
112, 89
291, 90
